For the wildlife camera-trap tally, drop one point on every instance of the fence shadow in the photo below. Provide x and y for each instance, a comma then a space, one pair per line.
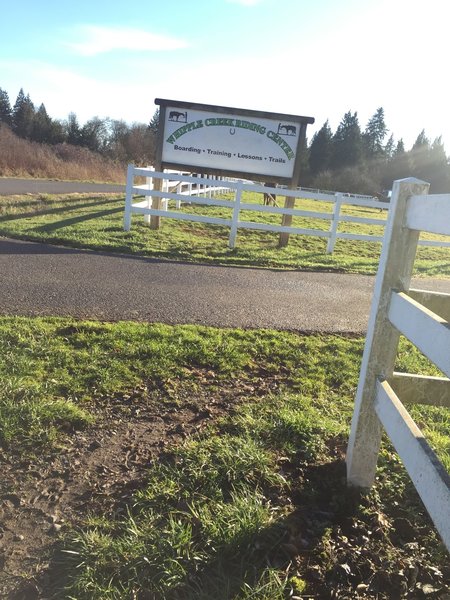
51, 211
73, 220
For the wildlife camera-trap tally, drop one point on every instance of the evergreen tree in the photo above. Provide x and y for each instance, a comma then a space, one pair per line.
422, 142
5, 108
438, 172
23, 115
400, 148
42, 126
57, 133
389, 148
373, 136
430, 163
73, 131
347, 142
154, 122
320, 149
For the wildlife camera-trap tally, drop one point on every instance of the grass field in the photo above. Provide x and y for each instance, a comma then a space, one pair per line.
252, 506
97, 222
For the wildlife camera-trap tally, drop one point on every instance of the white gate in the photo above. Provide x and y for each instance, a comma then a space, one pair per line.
423, 318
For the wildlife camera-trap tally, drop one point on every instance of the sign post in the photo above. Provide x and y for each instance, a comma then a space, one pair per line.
290, 202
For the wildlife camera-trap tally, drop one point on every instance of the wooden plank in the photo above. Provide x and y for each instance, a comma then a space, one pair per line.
193, 199
367, 221
360, 237
285, 211
425, 469
430, 213
420, 389
426, 330
394, 272
437, 302
434, 243
282, 229
182, 216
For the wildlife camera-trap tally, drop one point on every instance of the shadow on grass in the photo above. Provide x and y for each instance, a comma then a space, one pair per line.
54, 211
243, 562
74, 220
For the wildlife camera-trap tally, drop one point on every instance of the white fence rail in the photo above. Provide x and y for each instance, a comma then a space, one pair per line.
423, 317
202, 190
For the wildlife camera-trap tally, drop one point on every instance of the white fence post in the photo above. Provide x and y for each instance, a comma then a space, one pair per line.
179, 190
149, 184
165, 201
128, 198
235, 217
334, 223
394, 272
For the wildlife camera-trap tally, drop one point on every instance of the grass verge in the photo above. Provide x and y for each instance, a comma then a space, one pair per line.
255, 506
97, 223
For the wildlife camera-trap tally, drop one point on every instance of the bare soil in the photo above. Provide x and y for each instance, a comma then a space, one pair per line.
96, 471
339, 554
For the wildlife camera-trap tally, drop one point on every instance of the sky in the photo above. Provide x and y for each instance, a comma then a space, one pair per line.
317, 58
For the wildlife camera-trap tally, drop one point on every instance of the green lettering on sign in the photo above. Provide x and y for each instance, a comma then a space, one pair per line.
184, 129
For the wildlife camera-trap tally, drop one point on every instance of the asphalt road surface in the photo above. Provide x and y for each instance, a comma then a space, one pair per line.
9, 187
39, 279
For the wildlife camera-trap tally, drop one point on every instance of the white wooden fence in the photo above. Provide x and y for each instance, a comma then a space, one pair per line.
202, 190
422, 317
182, 191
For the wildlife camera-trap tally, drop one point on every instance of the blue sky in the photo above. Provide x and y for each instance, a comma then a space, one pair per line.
317, 58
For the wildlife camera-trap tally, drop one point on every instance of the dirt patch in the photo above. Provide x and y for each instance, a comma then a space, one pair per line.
97, 470
342, 545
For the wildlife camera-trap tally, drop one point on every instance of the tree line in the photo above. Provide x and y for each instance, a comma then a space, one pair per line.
112, 138
352, 158
368, 160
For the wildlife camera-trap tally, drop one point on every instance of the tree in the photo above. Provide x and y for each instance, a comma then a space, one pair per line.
398, 166
373, 136
438, 169
430, 163
347, 143
321, 149
5, 108
422, 142
400, 148
139, 144
94, 134
154, 122
23, 115
42, 125
389, 148
73, 131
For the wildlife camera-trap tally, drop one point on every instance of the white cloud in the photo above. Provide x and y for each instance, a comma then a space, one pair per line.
98, 40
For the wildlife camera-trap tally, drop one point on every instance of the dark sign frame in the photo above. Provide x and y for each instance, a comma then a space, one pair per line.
242, 112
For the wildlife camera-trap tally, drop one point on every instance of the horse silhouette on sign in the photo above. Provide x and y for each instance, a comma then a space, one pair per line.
288, 129
174, 115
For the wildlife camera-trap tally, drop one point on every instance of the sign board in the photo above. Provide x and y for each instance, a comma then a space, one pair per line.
230, 141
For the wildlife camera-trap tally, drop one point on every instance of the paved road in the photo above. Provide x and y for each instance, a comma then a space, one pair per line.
9, 187
38, 279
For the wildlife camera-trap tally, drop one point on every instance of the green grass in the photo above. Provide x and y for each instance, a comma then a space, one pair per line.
61, 364
97, 223
217, 513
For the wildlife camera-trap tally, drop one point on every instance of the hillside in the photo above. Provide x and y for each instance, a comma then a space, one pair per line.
23, 158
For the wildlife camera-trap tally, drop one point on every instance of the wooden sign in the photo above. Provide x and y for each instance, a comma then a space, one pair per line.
230, 141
